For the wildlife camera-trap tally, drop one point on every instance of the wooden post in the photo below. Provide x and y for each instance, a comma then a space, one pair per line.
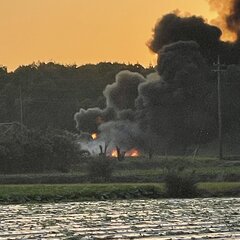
220, 112
220, 139
21, 109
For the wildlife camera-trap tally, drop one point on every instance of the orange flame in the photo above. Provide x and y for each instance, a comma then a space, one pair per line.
114, 153
94, 136
132, 153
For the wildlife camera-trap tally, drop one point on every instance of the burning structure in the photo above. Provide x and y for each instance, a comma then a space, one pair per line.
174, 107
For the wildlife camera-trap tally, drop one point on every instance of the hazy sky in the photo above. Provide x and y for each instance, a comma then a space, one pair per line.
83, 31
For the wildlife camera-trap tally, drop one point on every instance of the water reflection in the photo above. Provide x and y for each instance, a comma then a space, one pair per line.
145, 219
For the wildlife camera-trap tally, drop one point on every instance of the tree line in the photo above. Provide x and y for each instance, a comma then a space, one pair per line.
48, 94
52, 93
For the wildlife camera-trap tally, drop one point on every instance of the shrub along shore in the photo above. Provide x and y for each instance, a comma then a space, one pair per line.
32, 193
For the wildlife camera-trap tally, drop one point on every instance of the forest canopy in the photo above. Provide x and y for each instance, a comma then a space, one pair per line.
52, 93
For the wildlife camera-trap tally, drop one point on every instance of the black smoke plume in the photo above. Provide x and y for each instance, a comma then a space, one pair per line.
176, 106
122, 93
89, 120
233, 19
172, 28
173, 106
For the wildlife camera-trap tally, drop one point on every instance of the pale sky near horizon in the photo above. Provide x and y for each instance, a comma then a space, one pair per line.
83, 31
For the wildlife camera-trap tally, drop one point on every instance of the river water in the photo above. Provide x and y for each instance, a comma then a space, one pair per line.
211, 218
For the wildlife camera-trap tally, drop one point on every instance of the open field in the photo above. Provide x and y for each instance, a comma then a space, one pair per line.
176, 219
89, 192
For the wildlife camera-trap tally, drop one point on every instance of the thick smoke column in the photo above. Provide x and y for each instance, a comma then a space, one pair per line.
233, 19
89, 120
122, 93
173, 107
115, 122
167, 109
172, 28
176, 106
120, 100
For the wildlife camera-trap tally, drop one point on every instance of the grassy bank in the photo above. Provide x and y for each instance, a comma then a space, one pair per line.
133, 178
92, 192
140, 169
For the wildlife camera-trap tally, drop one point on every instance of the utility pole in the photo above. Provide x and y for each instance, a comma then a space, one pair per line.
21, 109
219, 71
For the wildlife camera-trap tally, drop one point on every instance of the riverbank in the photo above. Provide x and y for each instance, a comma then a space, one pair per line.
93, 192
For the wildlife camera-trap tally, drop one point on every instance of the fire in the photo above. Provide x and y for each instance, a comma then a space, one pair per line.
114, 153
94, 136
132, 153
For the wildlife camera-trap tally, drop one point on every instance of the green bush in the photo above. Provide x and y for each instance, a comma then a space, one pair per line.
36, 155
37, 151
100, 169
65, 152
180, 185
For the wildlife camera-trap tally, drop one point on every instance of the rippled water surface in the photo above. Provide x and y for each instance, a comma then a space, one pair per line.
137, 219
